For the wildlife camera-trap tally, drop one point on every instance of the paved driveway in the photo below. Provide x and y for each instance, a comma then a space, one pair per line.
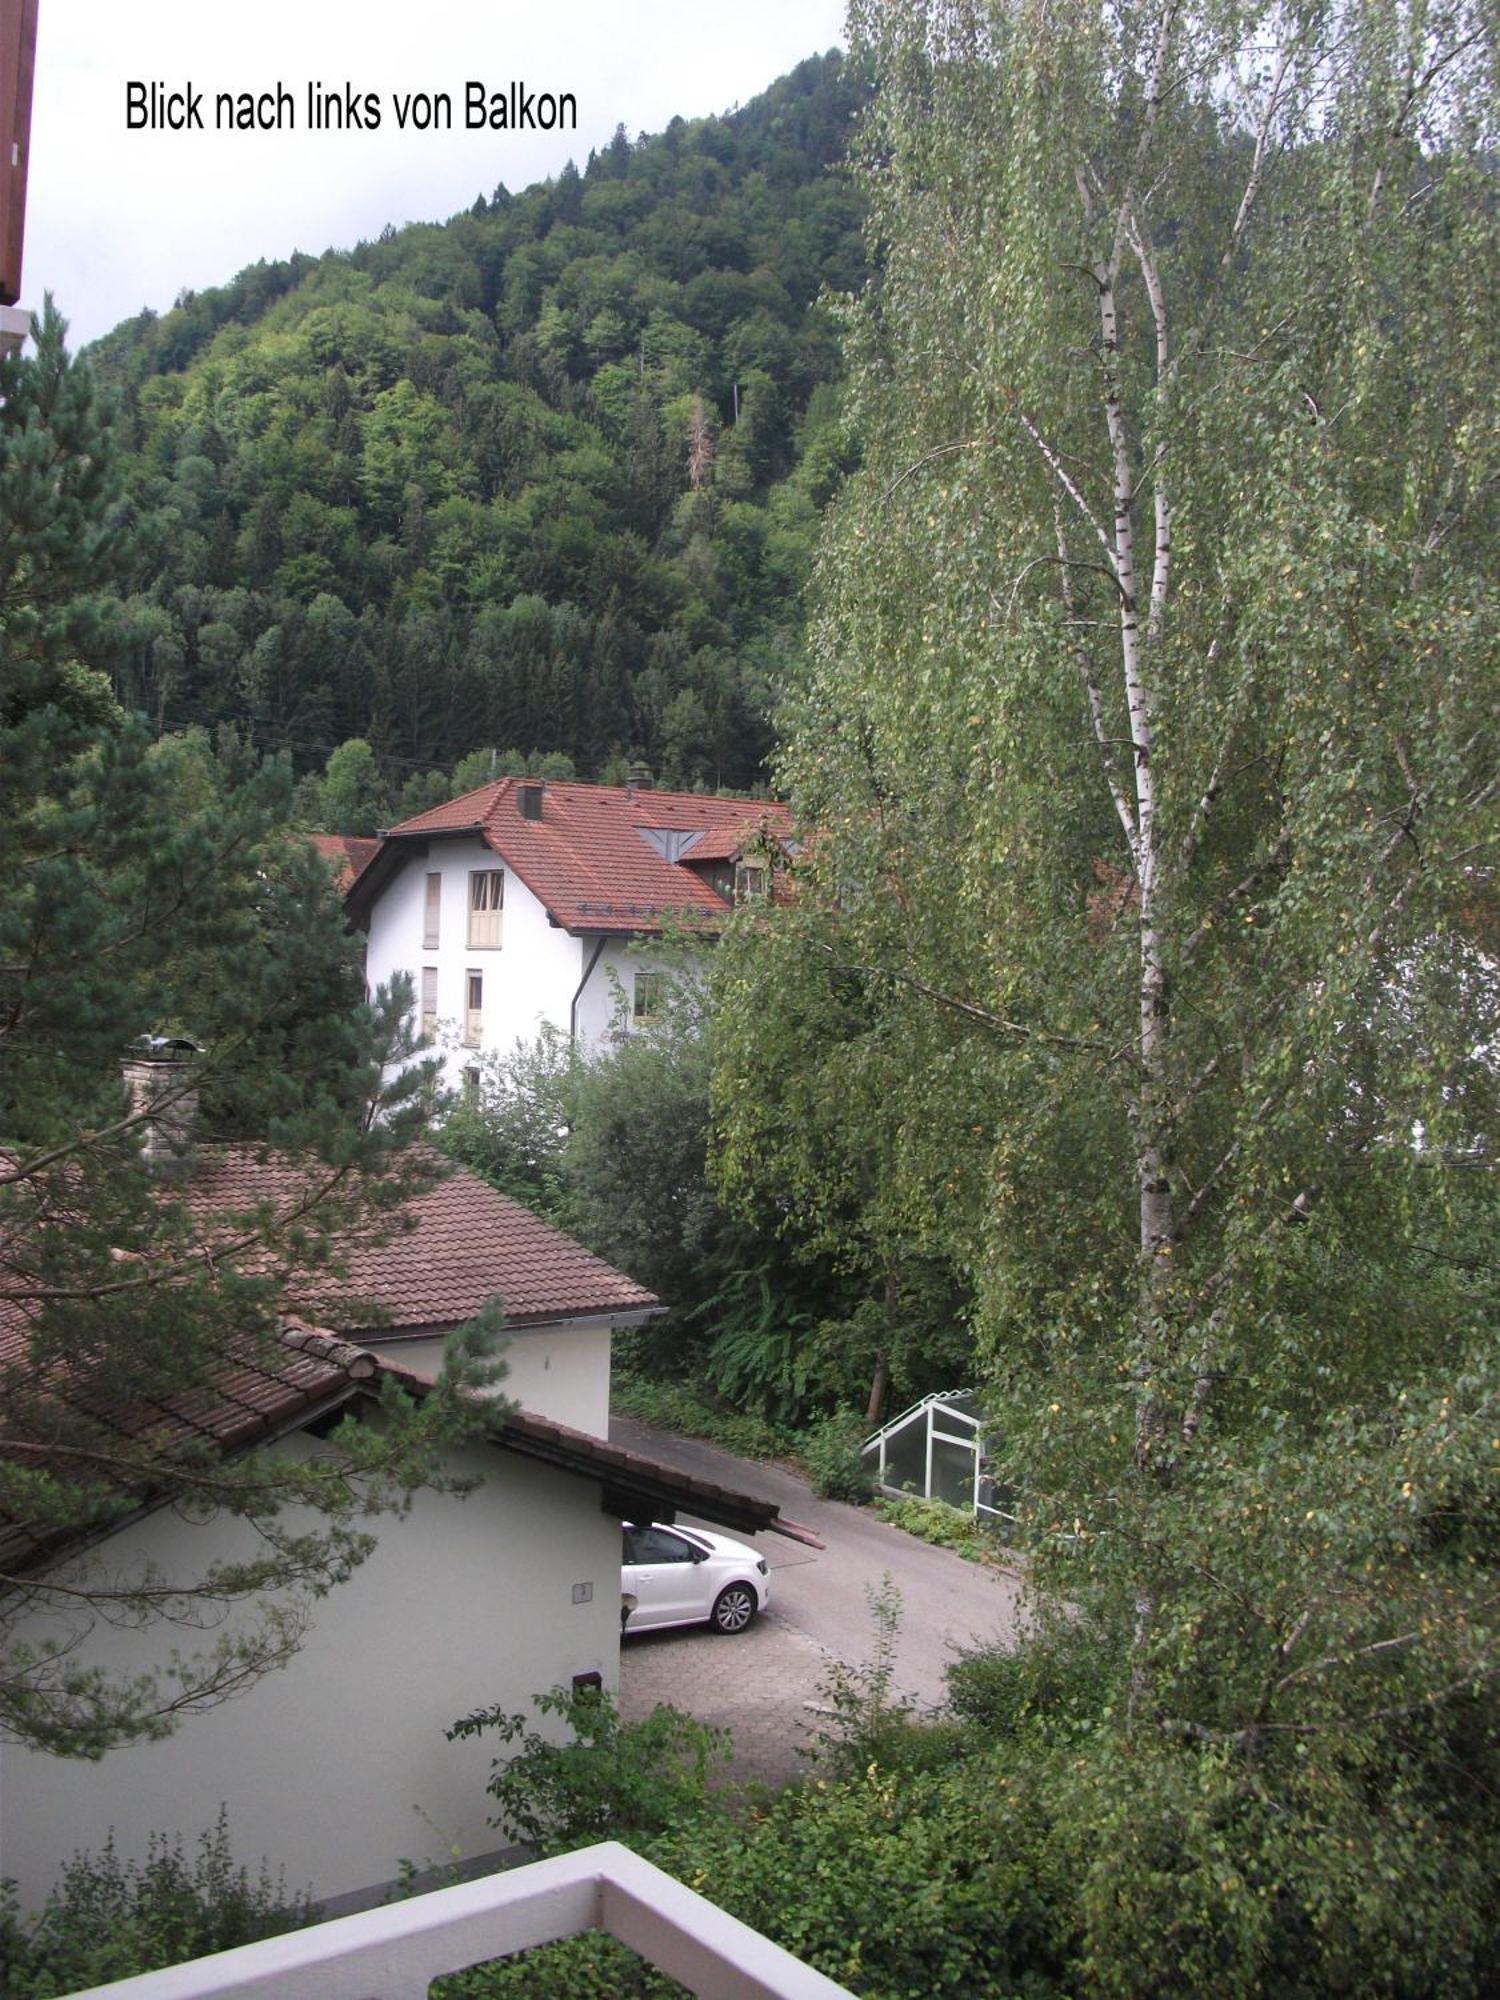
763, 1685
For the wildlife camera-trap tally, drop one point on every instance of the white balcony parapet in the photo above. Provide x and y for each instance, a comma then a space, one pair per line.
396, 1952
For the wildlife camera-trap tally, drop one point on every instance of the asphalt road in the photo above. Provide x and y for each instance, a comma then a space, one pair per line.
946, 1602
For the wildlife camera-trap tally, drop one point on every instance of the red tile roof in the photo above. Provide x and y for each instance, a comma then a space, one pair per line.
466, 1245
588, 860
257, 1398
348, 854
723, 843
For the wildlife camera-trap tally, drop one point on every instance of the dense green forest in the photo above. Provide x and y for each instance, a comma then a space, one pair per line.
545, 476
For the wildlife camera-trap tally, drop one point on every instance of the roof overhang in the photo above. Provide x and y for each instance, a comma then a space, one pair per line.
586, 1319
633, 1488
396, 849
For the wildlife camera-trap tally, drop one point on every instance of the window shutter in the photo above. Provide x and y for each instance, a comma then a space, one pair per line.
432, 913
486, 902
429, 996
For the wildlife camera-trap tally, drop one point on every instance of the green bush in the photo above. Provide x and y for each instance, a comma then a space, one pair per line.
830, 1451
1038, 1846
674, 1407
935, 1521
609, 1780
592, 1966
895, 1883
1050, 1690
109, 1918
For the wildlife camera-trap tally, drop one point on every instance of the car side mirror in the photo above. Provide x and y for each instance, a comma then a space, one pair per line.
700, 1555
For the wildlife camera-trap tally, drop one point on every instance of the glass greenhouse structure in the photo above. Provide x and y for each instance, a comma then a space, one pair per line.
936, 1450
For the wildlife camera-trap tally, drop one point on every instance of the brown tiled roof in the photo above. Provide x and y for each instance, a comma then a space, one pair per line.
719, 843
467, 1244
587, 858
254, 1397
643, 1487
348, 854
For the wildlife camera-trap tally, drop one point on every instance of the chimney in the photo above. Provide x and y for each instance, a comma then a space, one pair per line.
158, 1072
529, 801
640, 778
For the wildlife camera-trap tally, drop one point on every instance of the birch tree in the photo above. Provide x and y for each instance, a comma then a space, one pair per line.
1150, 740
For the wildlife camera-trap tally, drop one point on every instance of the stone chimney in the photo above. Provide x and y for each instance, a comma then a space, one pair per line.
158, 1072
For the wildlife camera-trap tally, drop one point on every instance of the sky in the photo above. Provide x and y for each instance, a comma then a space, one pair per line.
119, 219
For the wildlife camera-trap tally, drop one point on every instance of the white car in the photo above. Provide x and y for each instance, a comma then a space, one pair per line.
684, 1576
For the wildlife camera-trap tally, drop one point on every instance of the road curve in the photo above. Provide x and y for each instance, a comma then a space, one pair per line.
947, 1603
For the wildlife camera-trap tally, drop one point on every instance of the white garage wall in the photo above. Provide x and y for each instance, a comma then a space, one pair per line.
335, 1767
560, 1371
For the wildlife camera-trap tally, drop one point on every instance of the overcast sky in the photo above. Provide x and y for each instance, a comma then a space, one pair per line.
117, 220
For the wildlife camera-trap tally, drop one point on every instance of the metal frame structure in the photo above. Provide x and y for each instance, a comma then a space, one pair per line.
947, 1418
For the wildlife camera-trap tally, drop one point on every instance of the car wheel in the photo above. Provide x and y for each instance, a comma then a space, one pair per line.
734, 1607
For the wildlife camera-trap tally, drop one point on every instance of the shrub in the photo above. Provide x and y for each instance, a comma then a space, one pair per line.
109, 1918
511, 1130
893, 1882
611, 1780
830, 1451
1053, 1690
935, 1521
673, 1406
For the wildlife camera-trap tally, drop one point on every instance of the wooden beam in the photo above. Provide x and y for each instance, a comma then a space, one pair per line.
17, 66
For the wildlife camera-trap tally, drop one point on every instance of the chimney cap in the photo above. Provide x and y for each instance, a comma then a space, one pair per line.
163, 1048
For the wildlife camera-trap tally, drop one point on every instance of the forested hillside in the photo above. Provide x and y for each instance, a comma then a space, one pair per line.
545, 476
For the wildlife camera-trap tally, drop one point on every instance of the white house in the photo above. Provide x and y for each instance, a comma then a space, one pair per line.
335, 1765
534, 902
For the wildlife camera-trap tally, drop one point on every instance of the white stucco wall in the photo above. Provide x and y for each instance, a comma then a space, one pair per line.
529, 979
335, 1767
607, 1003
558, 1371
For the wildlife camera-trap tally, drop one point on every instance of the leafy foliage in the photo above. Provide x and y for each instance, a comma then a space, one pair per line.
1148, 744
677, 1406
831, 1453
109, 1919
936, 1522
609, 1780
546, 476
512, 1128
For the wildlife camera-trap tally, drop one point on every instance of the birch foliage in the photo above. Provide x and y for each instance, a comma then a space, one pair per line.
1150, 741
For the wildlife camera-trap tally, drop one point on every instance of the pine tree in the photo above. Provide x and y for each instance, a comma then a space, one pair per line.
150, 888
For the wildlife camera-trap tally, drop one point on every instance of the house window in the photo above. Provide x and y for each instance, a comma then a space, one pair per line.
432, 913
749, 882
650, 995
473, 1008
429, 999
486, 902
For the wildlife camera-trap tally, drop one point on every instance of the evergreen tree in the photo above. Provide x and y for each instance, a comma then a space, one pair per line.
150, 888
